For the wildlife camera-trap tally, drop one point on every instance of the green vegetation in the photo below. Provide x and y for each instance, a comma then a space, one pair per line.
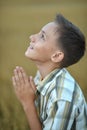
17, 22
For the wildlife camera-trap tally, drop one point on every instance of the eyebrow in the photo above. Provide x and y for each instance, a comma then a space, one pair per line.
44, 32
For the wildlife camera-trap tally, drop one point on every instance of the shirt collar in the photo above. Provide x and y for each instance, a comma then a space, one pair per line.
42, 87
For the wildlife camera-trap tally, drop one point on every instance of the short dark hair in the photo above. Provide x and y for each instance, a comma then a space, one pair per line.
71, 40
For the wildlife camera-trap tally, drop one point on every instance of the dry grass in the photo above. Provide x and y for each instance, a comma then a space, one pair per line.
16, 24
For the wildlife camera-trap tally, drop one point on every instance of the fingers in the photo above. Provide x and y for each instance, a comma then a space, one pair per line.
25, 89
20, 76
14, 81
21, 80
17, 77
23, 75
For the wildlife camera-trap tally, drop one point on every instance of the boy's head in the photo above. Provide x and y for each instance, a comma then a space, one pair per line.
71, 40
58, 44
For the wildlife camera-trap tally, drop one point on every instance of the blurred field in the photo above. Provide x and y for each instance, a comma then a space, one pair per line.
17, 22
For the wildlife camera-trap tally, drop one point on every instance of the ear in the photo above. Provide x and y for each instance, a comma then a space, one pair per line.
57, 57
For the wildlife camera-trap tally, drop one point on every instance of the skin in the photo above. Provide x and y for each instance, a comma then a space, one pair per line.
47, 56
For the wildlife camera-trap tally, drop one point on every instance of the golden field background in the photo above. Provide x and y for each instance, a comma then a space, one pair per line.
18, 20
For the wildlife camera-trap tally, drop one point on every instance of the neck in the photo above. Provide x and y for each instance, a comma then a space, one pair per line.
46, 68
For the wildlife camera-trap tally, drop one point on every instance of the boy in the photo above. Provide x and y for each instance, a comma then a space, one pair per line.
53, 100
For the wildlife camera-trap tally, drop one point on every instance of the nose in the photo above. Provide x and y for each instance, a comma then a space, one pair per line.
32, 38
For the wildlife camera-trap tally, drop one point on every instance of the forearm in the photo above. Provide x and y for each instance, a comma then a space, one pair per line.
32, 116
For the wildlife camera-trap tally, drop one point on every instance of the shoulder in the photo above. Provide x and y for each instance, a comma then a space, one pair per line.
64, 87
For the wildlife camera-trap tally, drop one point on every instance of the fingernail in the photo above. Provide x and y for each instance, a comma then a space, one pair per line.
17, 67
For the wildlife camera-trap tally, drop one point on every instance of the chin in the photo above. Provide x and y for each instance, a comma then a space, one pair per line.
31, 56
28, 55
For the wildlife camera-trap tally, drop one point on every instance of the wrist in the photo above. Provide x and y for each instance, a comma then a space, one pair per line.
28, 105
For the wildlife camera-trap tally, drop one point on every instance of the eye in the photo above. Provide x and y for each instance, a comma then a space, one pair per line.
42, 36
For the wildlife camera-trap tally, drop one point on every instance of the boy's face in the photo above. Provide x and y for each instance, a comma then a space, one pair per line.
43, 44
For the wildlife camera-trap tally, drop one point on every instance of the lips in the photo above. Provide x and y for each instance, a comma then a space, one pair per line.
31, 47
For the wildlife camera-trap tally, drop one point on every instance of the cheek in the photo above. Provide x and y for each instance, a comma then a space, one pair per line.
42, 52
45, 53
42, 49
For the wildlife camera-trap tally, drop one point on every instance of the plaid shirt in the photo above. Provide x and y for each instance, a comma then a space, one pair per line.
60, 102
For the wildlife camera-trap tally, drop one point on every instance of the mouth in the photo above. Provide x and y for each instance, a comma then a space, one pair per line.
31, 47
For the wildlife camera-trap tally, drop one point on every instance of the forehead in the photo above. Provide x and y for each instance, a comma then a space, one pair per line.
50, 28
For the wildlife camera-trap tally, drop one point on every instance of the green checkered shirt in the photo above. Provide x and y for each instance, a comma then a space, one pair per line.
60, 102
